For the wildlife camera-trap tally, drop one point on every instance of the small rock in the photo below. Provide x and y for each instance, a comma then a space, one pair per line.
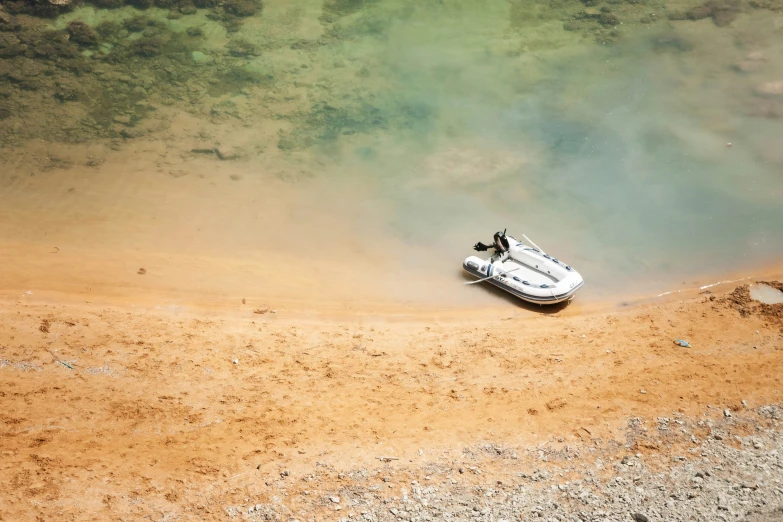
236, 361
285, 473
744, 403
748, 66
200, 58
638, 517
335, 500
132, 133
125, 119
770, 88
727, 412
643, 392
227, 152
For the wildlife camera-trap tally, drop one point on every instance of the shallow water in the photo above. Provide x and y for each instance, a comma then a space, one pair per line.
639, 154
766, 294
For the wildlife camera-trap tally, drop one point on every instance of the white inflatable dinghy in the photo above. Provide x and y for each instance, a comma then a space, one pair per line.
526, 272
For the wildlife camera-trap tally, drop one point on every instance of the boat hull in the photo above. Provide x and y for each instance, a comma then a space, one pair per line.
521, 294
527, 273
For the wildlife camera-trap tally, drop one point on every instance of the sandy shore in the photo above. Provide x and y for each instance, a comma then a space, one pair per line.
228, 287
121, 411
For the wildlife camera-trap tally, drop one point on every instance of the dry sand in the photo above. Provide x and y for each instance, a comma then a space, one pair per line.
114, 412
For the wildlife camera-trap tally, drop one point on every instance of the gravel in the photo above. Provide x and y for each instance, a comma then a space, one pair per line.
657, 474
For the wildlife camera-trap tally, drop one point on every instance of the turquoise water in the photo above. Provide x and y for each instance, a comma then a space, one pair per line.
641, 147
613, 157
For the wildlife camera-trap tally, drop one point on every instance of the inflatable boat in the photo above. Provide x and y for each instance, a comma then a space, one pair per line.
527, 272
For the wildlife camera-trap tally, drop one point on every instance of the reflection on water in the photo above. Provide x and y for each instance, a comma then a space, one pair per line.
638, 141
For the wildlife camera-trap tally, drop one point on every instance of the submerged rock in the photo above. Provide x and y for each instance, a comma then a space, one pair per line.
109, 30
770, 88
136, 24
200, 58
242, 48
41, 8
11, 46
722, 12
109, 4
152, 46
754, 62
82, 34
241, 8
227, 152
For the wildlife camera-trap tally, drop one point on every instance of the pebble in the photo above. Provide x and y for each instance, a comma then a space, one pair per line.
727, 412
724, 482
770, 88
749, 66
235, 361
227, 152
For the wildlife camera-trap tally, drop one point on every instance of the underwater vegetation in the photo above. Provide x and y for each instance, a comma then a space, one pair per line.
112, 70
228, 12
120, 69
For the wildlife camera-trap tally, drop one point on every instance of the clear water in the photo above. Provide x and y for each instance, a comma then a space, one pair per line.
644, 158
766, 294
